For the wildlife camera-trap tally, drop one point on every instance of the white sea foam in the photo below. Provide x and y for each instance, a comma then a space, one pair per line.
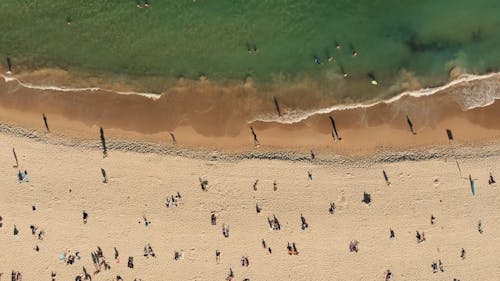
69, 89
483, 94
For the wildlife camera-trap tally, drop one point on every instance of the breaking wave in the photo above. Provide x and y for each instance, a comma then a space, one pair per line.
468, 97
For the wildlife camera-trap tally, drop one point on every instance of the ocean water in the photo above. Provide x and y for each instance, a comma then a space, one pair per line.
396, 41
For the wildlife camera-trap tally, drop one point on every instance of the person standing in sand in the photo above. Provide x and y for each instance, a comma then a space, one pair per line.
391, 234
85, 216
491, 180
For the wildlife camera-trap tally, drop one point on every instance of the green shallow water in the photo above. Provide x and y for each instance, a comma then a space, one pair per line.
202, 37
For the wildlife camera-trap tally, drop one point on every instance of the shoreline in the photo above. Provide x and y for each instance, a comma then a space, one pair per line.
209, 117
290, 116
451, 152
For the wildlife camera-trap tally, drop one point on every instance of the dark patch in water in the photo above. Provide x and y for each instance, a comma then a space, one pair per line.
477, 35
417, 45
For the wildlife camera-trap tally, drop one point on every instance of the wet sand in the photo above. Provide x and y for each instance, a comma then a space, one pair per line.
203, 115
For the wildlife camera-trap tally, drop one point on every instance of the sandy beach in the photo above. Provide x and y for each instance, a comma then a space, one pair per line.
151, 196
208, 116
65, 179
249, 140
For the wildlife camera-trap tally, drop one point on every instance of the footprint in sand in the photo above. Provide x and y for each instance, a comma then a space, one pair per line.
436, 182
342, 200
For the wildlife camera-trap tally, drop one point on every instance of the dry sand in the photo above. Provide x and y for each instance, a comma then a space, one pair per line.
65, 179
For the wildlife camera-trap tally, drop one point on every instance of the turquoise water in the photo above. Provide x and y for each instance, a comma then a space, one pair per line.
202, 37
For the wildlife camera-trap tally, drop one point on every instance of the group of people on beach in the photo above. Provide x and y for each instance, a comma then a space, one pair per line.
100, 263
173, 200
23, 176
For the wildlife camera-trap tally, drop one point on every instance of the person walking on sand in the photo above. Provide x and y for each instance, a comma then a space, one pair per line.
217, 256
332, 208
255, 140
491, 180
388, 275
305, 225
275, 185
26, 178
225, 230
85, 216
257, 208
